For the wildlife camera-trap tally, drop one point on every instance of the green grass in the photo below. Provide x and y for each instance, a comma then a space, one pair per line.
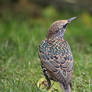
19, 62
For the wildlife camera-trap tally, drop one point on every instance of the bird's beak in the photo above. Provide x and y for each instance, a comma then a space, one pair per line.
70, 19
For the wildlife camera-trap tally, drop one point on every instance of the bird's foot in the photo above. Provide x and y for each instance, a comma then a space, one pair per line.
45, 84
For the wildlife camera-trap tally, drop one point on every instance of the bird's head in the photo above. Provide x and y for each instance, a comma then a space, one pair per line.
58, 28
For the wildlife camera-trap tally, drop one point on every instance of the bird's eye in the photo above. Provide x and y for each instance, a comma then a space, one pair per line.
65, 26
56, 31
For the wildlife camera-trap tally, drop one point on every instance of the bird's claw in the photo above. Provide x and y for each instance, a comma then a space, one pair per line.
45, 84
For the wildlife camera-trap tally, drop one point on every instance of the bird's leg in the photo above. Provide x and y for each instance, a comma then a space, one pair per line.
71, 85
46, 76
48, 83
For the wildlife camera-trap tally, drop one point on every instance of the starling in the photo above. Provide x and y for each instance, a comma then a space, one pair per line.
56, 56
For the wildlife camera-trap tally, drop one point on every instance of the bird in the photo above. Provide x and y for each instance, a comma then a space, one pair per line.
56, 56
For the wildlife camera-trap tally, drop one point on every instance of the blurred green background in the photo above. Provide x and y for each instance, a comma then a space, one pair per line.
24, 24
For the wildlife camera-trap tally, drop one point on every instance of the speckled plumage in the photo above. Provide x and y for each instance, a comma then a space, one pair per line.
56, 57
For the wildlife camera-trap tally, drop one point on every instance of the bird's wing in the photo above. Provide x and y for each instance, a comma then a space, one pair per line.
57, 58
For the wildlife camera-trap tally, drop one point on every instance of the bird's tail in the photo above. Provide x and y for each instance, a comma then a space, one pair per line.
67, 89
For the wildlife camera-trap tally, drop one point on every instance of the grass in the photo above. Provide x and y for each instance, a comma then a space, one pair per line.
19, 63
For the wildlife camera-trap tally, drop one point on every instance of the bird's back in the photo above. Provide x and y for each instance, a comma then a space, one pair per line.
57, 58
